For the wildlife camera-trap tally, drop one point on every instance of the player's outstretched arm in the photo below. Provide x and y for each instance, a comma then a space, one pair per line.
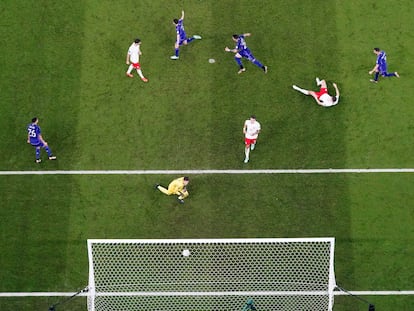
247, 34
182, 14
374, 69
230, 50
336, 89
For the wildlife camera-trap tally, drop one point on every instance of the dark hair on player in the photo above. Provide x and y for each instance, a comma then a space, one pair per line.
334, 98
377, 49
175, 20
137, 40
235, 36
253, 117
34, 119
186, 178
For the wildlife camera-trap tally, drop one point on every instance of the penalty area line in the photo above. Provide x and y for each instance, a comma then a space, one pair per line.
197, 172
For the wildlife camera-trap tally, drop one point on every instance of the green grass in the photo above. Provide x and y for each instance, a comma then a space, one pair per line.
65, 63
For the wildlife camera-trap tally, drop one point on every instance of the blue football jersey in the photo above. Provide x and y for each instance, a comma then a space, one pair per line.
34, 131
180, 29
382, 61
241, 43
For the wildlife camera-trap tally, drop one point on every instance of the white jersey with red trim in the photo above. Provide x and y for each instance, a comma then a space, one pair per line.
134, 52
252, 129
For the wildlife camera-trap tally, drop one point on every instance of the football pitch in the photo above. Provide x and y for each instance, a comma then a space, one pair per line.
64, 62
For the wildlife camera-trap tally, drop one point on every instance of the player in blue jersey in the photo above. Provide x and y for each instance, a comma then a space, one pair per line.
241, 50
380, 67
34, 137
182, 38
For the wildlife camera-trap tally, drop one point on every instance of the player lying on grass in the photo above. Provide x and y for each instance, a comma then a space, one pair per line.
322, 97
241, 50
178, 187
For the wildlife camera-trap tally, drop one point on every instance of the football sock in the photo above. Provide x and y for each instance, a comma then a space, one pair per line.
37, 153
49, 152
130, 69
376, 76
389, 74
238, 61
190, 39
258, 64
176, 52
247, 152
140, 74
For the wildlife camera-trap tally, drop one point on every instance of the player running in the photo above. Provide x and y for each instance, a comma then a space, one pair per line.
322, 97
251, 130
380, 67
132, 59
182, 38
241, 50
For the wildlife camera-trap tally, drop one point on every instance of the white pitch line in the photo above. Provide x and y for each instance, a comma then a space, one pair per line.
190, 172
336, 293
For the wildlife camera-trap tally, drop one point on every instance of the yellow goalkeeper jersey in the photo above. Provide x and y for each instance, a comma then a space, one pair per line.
177, 185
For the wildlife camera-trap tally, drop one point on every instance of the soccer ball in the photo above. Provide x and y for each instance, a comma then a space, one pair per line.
186, 253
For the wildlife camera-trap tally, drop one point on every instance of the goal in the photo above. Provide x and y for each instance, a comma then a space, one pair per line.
211, 274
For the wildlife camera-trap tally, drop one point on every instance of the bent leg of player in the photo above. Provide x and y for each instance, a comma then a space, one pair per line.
253, 60
137, 66
392, 74
183, 194
49, 153
238, 60
321, 83
163, 190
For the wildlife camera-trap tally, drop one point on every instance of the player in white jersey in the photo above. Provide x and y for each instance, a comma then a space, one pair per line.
251, 130
322, 97
132, 59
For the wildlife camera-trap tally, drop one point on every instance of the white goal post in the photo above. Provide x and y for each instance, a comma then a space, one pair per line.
211, 274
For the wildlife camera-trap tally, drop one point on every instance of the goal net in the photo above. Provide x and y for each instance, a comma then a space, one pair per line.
211, 274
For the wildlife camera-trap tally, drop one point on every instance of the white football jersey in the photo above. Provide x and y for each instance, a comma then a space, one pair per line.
252, 129
326, 100
134, 51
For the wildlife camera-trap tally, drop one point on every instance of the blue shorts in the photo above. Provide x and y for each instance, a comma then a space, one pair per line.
382, 69
247, 54
183, 37
38, 145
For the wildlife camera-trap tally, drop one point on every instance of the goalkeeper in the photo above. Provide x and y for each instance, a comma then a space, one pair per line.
178, 187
